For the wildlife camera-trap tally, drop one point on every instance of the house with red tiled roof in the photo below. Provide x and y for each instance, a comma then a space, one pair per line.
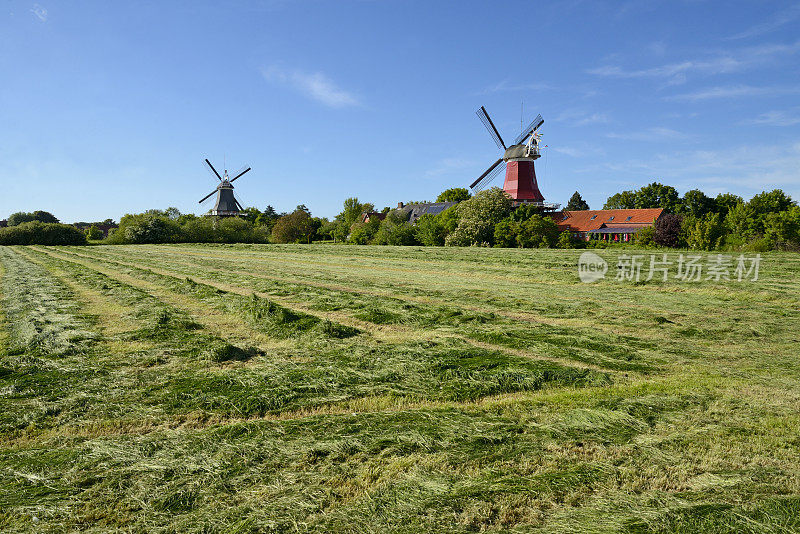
368, 216
607, 225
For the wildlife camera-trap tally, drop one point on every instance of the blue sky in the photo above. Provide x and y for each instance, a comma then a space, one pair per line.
109, 107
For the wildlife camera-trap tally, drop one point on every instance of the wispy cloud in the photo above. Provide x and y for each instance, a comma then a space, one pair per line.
507, 86
723, 63
314, 85
734, 91
651, 134
451, 165
39, 12
777, 118
716, 170
581, 151
575, 117
773, 23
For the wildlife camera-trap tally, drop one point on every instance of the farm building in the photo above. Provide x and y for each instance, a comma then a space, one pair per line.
368, 216
417, 210
606, 225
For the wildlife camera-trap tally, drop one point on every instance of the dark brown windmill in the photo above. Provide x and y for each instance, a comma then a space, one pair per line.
226, 205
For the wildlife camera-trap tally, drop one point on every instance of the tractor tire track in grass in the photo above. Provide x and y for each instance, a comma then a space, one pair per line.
540, 342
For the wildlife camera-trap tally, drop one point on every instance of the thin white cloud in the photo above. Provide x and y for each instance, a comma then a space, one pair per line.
575, 117
734, 91
582, 151
651, 134
723, 63
775, 22
314, 85
39, 12
447, 166
777, 118
775, 166
506, 86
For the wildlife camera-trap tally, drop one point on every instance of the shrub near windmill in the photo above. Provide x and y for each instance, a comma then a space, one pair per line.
226, 205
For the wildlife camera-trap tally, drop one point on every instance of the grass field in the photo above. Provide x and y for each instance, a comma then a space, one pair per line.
368, 389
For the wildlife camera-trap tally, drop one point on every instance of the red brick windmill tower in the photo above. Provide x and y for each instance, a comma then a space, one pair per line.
520, 183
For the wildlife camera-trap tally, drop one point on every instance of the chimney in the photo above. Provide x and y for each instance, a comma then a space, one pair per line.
400, 205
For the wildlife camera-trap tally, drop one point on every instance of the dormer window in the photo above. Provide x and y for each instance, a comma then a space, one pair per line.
629, 217
611, 218
593, 217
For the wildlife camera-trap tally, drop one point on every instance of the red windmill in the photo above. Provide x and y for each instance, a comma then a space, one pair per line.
520, 181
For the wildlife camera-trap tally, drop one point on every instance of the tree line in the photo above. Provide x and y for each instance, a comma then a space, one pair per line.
769, 220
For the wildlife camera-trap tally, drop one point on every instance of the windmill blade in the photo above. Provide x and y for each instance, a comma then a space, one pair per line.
237, 203
241, 172
487, 176
207, 196
487, 122
532, 127
213, 169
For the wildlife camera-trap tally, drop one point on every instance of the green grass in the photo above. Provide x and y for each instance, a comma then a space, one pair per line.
259, 388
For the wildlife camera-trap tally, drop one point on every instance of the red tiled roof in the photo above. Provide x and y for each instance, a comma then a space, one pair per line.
584, 221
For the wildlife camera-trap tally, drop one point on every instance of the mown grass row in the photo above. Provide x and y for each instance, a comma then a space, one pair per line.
608, 350
362, 432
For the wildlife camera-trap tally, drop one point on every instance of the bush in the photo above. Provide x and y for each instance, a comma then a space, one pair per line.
645, 237
430, 230
668, 230
395, 230
783, 228
39, 233
148, 227
293, 228
704, 233
94, 233
538, 232
21, 217
478, 217
534, 232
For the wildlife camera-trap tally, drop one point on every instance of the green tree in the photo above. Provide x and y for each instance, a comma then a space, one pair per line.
505, 233
771, 202
353, 209
576, 203
395, 230
293, 228
657, 195
568, 240
725, 201
477, 217
22, 217
619, 201
94, 233
704, 233
743, 222
430, 230
538, 231
455, 194
783, 228
148, 227
696, 204
19, 217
